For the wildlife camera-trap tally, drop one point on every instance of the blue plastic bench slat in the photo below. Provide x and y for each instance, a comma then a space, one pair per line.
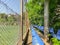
36, 40
58, 34
51, 30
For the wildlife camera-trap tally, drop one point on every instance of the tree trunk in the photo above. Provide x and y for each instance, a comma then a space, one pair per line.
46, 19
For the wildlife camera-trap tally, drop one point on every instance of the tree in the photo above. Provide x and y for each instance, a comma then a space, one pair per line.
46, 19
35, 14
38, 13
3, 17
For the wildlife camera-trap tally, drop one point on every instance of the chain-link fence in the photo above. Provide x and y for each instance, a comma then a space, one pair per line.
9, 25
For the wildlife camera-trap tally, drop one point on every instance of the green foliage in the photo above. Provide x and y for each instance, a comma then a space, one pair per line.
3, 17
55, 22
8, 19
55, 41
34, 8
52, 7
58, 2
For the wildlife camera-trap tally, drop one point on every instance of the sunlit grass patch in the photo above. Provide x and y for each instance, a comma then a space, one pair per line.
9, 34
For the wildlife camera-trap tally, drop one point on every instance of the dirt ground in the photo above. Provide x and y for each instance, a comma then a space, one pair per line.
29, 42
29, 39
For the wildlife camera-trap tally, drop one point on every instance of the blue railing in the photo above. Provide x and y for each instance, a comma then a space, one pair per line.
51, 30
36, 39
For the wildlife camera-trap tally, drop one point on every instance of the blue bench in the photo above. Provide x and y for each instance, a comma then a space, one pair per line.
58, 34
36, 40
39, 27
51, 30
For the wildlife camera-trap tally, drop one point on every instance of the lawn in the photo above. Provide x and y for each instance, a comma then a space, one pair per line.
9, 34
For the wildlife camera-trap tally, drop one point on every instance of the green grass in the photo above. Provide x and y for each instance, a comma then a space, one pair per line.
9, 34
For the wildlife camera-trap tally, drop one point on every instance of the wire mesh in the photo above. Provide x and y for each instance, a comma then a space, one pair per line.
9, 25
24, 18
